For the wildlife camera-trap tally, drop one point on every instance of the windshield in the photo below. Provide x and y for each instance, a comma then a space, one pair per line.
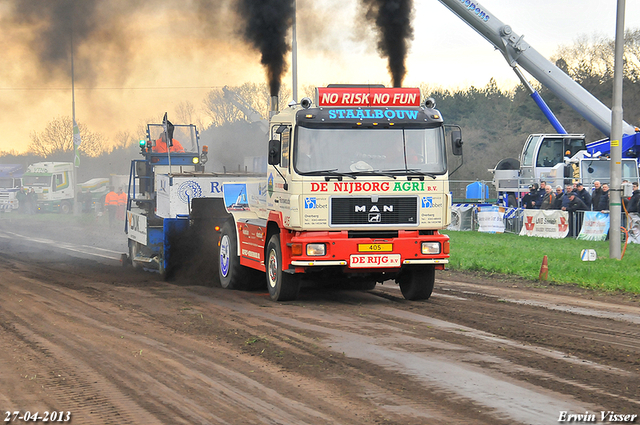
600, 170
527, 155
7, 183
185, 135
351, 150
36, 181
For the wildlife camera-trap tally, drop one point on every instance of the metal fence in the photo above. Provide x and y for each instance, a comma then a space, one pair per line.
514, 221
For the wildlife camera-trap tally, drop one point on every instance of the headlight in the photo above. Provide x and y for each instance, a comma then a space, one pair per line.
316, 249
430, 248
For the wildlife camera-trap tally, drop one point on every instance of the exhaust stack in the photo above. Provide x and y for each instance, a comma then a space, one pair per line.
274, 108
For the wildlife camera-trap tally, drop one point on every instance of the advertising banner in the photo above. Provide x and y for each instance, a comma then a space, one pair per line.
545, 223
595, 226
634, 228
491, 219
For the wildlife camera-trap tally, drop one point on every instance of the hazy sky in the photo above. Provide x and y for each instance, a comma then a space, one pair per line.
136, 62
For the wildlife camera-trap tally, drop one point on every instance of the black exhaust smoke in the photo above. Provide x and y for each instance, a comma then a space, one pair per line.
265, 26
53, 24
392, 19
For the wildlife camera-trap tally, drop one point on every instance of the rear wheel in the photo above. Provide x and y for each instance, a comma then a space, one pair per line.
231, 273
417, 283
282, 286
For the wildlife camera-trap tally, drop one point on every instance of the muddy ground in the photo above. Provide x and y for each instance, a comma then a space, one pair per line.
81, 334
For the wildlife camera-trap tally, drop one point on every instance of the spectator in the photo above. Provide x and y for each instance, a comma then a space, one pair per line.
111, 203
603, 203
122, 204
529, 200
632, 203
595, 195
575, 217
575, 203
565, 199
548, 200
32, 202
21, 197
557, 203
540, 195
583, 194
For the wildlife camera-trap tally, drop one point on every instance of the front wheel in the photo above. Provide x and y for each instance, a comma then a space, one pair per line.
417, 283
65, 207
282, 286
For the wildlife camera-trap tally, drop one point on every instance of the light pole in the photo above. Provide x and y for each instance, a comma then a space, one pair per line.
294, 56
615, 194
76, 209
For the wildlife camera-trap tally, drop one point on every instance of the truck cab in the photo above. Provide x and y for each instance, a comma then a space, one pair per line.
53, 184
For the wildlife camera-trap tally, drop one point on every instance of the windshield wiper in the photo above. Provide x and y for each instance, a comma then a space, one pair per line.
412, 171
373, 173
331, 172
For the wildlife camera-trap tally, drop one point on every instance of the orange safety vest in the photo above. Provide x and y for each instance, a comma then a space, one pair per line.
161, 146
111, 199
122, 199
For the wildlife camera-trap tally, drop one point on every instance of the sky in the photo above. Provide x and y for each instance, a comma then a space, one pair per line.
132, 63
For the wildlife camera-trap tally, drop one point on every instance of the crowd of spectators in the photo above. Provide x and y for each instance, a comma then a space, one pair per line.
575, 197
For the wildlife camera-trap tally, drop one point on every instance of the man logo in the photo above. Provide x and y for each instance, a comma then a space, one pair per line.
309, 203
427, 202
375, 217
374, 208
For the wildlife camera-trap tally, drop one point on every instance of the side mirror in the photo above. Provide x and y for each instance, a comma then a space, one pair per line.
274, 152
456, 142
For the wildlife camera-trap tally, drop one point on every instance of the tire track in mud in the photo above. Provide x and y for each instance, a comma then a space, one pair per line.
187, 386
184, 354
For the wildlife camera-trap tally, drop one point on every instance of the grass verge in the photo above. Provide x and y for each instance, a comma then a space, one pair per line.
522, 256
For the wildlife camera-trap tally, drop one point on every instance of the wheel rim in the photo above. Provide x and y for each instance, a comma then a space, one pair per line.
273, 268
224, 255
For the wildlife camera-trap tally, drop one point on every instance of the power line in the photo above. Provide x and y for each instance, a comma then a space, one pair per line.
106, 88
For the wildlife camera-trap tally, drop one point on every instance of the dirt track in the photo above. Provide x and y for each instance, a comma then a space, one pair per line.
79, 333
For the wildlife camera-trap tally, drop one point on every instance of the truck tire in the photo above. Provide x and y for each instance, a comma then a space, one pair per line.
134, 248
231, 273
282, 286
65, 207
417, 283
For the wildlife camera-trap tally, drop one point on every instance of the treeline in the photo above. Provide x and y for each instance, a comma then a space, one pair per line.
495, 121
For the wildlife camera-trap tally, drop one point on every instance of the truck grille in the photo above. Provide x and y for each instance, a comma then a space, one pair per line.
363, 211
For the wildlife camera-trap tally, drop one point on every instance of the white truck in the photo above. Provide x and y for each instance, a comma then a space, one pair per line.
10, 183
53, 183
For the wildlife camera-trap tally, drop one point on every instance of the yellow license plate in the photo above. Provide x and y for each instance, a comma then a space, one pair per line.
375, 247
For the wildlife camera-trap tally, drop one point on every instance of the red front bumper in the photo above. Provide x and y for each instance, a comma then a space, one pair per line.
364, 254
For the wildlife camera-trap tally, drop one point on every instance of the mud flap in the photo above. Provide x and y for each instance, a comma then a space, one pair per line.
173, 229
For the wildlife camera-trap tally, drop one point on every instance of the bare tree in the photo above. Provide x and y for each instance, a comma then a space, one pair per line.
186, 114
124, 139
593, 57
222, 110
57, 137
